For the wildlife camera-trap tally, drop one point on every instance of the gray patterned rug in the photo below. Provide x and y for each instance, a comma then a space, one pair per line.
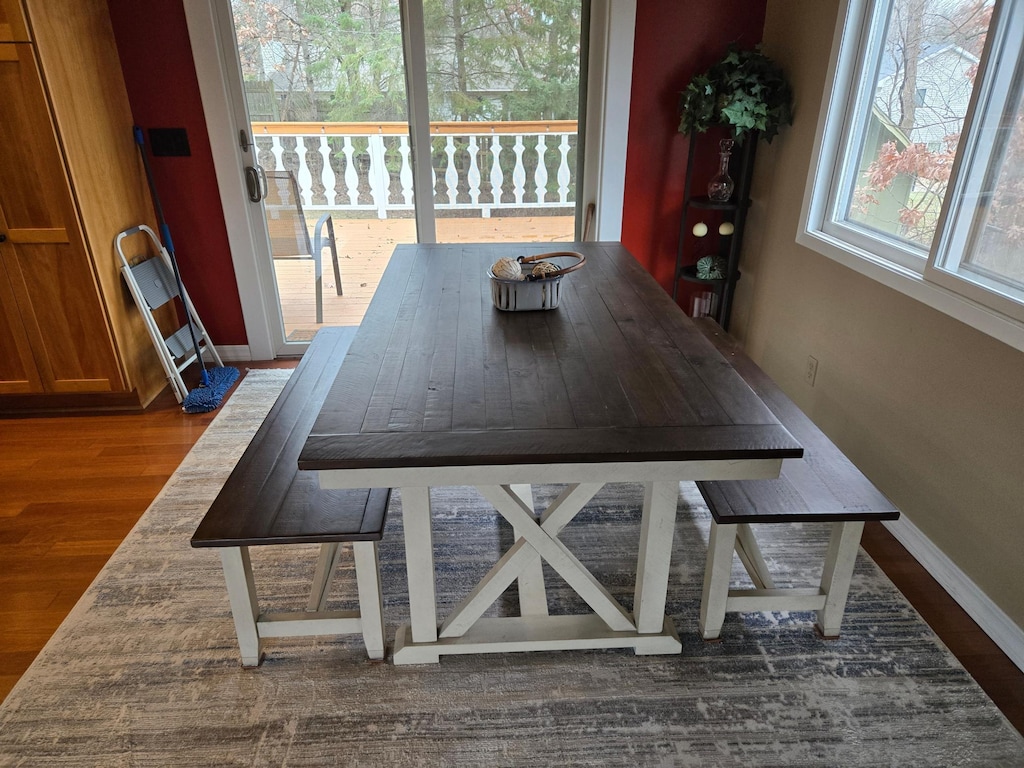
144, 672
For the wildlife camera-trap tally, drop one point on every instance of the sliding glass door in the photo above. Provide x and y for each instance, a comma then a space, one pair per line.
375, 123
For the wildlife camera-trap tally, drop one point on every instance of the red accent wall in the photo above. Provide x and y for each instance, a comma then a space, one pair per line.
675, 40
156, 56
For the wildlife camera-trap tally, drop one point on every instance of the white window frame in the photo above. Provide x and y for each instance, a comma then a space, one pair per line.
992, 98
920, 276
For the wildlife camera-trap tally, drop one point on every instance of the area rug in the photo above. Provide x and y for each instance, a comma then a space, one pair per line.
145, 671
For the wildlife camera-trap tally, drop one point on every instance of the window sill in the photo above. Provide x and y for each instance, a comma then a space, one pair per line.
912, 284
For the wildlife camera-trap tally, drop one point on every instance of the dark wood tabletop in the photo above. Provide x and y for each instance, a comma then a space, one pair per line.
437, 376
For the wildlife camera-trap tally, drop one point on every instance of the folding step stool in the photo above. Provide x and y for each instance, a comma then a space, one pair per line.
152, 284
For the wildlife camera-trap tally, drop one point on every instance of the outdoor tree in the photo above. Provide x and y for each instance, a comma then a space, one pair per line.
257, 23
503, 59
345, 58
920, 29
343, 61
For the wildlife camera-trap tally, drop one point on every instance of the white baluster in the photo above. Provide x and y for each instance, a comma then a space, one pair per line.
497, 177
378, 178
304, 177
405, 174
451, 174
351, 177
278, 152
541, 176
380, 181
519, 172
473, 174
564, 174
329, 179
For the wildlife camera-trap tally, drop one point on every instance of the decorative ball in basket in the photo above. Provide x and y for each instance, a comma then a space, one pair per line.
530, 282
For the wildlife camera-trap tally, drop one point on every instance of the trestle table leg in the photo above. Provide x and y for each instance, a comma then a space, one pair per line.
419, 555
653, 561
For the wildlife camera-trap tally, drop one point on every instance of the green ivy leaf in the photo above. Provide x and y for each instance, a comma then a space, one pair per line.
745, 90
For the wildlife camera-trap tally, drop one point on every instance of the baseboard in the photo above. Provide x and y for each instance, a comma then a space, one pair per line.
238, 353
989, 616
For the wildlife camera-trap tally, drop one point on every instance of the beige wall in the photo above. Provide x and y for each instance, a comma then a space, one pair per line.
930, 409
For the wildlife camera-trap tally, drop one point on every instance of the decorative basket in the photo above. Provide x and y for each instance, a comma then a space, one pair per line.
532, 292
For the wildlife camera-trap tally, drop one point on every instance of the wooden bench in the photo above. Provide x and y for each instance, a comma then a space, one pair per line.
823, 486
267, 500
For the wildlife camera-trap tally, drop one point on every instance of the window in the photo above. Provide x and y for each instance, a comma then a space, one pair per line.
918, 177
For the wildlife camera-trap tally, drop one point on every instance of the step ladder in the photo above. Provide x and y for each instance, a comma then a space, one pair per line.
151, 283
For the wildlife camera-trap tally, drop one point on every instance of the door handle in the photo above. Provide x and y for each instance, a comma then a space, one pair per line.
254, 183
3, 237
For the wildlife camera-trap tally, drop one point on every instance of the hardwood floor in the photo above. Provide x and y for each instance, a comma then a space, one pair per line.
70, 491
72, 488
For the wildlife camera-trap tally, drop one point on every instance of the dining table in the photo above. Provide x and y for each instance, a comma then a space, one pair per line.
611, 384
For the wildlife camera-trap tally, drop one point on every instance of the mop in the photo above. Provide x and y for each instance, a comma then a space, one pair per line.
214, 383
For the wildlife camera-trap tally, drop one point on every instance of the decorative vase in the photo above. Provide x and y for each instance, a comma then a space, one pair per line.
721, 185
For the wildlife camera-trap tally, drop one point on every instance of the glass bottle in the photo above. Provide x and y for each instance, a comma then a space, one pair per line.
721, 185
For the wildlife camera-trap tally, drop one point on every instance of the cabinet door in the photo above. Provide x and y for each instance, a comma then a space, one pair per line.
18, 373
46, 263
13, 28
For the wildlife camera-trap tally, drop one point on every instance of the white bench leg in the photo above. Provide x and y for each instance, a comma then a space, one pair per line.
837, 575
371, 601
717, 572
244, 607
326, 563
750, 555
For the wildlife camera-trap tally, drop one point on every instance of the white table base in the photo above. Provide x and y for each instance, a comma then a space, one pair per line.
648, 631
534, 633
424, 639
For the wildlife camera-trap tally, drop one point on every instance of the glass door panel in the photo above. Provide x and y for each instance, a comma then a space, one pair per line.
503, 78
325, 91
325, 87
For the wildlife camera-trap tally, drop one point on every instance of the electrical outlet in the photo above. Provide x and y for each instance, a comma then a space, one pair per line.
812, 370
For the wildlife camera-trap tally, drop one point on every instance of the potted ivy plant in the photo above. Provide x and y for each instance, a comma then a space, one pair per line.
745, 91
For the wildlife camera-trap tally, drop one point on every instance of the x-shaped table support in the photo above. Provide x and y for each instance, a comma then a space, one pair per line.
647, 630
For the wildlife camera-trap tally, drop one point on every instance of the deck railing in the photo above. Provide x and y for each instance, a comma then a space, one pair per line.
476, 165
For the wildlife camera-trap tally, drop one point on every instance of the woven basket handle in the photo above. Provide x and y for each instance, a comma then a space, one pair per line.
554, 254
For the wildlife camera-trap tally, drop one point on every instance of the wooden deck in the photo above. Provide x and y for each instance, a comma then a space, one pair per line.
364, 247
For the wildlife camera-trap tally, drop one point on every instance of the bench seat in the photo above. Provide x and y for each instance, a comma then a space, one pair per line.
822, 487
268, 501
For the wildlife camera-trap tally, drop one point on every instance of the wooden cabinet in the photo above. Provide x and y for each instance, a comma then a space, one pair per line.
13, 27
70, 336
698, 208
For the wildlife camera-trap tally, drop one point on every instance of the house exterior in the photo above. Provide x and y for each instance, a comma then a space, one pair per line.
942, 93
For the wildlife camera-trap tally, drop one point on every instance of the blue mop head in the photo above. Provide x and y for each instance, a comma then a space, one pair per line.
208, 396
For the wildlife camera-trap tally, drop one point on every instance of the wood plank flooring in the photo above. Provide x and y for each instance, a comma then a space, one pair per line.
70, 491
72, 488
364, 247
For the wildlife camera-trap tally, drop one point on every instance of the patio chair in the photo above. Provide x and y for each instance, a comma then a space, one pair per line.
289, 235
